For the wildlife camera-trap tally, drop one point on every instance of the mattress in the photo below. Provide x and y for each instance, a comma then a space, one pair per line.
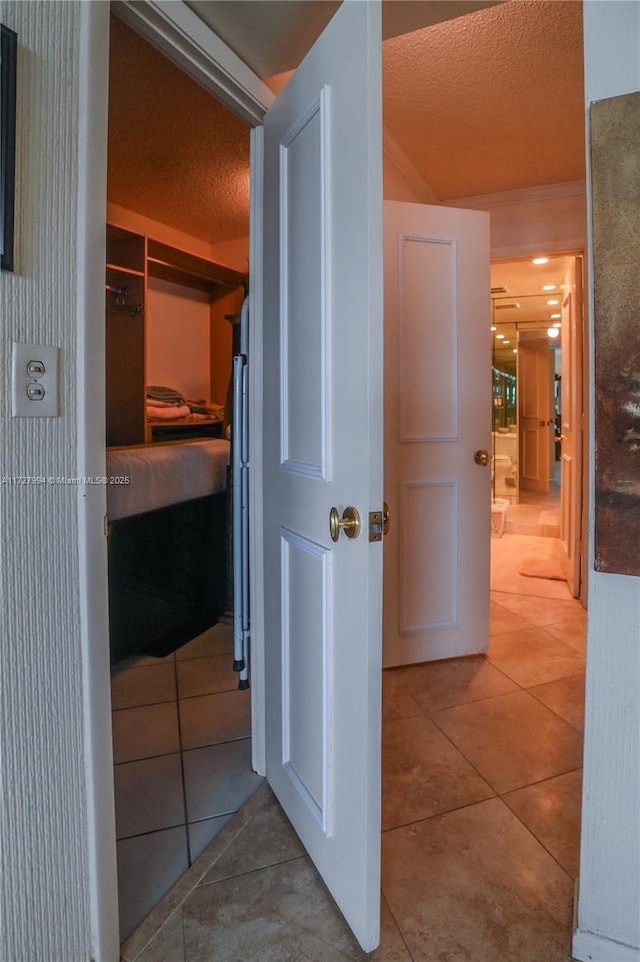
163, 474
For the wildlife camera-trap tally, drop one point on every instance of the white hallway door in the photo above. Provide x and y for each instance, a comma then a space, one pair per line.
437, 416
322, 420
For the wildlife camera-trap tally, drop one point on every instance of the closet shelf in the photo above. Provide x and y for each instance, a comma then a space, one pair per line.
170, 264
124, 270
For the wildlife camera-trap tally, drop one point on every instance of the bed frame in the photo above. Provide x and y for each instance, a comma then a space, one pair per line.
167, 576
168, 544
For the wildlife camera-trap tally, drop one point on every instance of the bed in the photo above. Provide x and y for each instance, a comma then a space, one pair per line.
167, 544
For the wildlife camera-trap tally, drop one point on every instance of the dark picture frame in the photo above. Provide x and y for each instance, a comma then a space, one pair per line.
8, 64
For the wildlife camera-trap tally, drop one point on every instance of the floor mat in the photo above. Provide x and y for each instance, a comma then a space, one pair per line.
542, 567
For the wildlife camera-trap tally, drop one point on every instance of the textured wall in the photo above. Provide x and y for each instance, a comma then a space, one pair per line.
610, 854
44, 871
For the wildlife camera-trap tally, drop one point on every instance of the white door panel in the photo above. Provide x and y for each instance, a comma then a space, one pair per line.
437, 414
323, 448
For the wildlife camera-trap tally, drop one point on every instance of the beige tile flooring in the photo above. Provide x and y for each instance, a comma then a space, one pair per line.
182, 754
481, 800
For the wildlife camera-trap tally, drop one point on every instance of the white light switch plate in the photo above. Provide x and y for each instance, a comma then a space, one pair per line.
34, 380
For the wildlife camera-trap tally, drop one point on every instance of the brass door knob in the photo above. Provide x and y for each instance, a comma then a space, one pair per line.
481, 457
350, 523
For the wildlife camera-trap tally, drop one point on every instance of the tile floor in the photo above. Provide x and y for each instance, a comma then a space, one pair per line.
182, 754
481, 806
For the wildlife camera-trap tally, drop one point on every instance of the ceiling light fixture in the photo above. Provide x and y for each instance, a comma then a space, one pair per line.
553, 332
493, 327
515, 350
557, 324
504, 343
540, 260
499, 337
548, 287
553, 302
554, 317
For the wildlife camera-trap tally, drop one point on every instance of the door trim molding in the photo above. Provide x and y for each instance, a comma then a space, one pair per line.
188, 42
256, 549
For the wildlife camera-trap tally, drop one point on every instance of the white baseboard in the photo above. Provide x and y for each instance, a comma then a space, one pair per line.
587, 947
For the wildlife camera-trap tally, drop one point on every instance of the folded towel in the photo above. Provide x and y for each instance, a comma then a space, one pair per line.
161, 393
167, 413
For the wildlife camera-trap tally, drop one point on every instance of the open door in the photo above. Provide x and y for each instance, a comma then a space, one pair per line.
535, 415
322, 425
437, 432
572, 426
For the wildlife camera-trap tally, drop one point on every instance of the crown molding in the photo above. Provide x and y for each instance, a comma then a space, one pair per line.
526, 195
392, 149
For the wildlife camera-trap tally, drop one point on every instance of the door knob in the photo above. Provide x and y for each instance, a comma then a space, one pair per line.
481, 457
350, 523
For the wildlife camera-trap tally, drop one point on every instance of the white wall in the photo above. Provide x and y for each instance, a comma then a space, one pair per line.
44, 829
178, 338
609, 894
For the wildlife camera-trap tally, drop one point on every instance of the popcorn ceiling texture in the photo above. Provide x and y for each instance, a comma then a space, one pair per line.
492, 101
45, 912
495, 100
175, 154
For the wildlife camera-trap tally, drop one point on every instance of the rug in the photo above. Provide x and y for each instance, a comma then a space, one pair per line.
539, 566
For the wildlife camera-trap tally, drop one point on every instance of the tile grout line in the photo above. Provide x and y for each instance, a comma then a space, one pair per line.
397, 924
183, 777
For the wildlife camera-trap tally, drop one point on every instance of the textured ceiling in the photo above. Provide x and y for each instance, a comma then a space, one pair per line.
491, 101
486, 102
273, 36
175, 154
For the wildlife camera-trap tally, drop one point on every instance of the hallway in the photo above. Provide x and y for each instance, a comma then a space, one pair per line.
481, 810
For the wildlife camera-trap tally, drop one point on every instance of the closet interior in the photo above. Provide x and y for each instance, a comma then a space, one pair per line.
176, 280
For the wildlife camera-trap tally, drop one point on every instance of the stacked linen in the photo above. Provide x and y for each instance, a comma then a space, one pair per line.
165, 403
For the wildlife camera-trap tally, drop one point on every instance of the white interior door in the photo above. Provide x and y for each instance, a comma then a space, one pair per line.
437, 416
535, 417
323, 449
572, 416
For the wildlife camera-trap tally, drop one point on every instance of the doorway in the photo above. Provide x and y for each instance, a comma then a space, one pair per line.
181, 726
537, 381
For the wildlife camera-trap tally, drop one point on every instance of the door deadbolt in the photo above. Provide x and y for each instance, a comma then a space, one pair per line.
350, 523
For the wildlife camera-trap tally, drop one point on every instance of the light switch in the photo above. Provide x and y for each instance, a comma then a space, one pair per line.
34, 381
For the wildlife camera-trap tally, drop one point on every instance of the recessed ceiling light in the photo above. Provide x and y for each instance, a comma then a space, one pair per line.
540, 260
493, 327
554, 317
515, 350
499, 337
553, 302
553, 332
548, 287
505, 343
557, 324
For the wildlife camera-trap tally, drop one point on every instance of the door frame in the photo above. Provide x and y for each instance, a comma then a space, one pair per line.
522, 252
188, 42
195, 48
